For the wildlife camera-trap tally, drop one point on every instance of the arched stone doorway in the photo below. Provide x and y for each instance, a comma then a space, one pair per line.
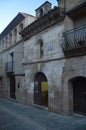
78, 85
41, 89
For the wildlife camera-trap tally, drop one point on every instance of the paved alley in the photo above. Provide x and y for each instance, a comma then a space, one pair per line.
15, 116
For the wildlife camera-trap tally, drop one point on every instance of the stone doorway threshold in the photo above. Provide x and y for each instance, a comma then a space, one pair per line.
11, 99
41, 107
80, 114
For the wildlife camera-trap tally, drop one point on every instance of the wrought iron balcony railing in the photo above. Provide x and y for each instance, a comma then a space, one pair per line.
74, 41
9, 67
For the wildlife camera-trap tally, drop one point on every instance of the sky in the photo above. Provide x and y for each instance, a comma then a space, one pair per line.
10, 8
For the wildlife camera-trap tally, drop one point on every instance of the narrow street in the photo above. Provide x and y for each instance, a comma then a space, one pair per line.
14, 116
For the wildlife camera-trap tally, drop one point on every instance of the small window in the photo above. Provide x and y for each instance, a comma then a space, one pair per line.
10, 38
41, 47
21, 27
15, 35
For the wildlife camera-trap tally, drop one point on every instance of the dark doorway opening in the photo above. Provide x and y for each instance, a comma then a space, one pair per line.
79, 95
1, 88
12, 87
41, 89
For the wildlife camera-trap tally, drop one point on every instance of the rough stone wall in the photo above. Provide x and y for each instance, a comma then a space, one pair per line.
19, 55
78, 19
1, 65
68, 23
52, 40
18, 67
19, 70
28, 20
20, 90
1, 76
73, 3
52, 65
17, 48
70, 4
53, 72
5, 89
73, 67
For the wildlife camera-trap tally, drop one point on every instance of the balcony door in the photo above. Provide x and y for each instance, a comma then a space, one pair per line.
12, 60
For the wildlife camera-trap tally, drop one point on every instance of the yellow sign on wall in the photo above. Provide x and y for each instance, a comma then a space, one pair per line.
44, 86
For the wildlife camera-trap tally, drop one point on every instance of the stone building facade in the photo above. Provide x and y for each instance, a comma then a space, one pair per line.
51, 72
44, 59
55, 53
74, 74
11, 54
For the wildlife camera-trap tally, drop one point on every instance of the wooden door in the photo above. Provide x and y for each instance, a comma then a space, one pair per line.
37, 93
79, 95
12, 87
41, 90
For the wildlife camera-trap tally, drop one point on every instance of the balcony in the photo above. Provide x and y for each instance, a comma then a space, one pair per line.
9, 68
74, 42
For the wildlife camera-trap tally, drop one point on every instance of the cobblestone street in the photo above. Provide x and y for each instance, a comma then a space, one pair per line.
14, 116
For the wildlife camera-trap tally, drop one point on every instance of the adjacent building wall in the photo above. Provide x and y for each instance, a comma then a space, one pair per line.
70, 4
74, 66
13, 45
